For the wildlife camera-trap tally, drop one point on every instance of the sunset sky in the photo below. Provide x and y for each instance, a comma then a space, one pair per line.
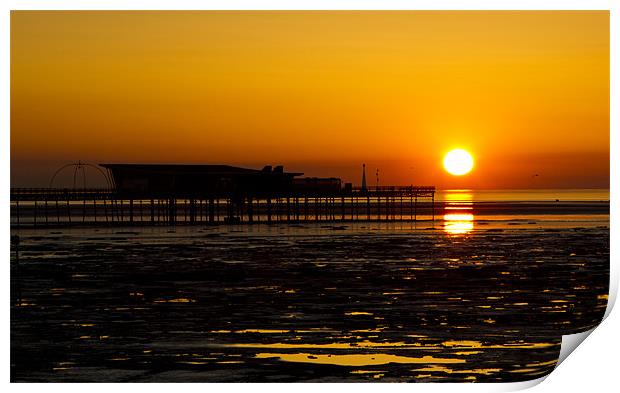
527, 93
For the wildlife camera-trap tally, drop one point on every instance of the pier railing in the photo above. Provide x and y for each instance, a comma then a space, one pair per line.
41, 194
34, 207
32, 194
419, 191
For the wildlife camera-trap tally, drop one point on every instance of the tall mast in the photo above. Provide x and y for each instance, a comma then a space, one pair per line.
363, 177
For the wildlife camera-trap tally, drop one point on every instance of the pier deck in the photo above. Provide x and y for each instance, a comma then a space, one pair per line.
34, 207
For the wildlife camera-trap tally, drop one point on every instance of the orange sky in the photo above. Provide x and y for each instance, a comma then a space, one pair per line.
320, 92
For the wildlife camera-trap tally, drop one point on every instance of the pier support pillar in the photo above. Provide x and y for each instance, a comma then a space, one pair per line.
269, 210
211, 211
192, 211
250, 210
171, 211
306, 209
296, 209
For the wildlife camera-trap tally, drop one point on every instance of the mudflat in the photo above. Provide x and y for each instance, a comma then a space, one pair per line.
361, 302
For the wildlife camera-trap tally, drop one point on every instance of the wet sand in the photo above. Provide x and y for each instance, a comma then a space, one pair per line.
297, 303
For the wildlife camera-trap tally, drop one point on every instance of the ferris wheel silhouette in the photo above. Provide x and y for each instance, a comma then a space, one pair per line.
80, 168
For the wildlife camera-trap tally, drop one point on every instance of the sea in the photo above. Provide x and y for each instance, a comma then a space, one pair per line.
482, 293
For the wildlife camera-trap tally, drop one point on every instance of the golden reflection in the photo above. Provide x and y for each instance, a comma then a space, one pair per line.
458, 346
443, 369
458, 208
543, 364
458, 223
528, 370
355, 360
335, 345
179, 300
462, 343
461, 196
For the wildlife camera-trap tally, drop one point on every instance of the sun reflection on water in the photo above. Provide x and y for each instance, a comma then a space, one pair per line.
458, 217
458, 223
367, 359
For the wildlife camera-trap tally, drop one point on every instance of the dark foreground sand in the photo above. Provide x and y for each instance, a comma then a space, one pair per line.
372, 302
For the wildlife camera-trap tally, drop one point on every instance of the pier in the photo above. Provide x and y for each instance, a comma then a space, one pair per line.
49, 207
168, 194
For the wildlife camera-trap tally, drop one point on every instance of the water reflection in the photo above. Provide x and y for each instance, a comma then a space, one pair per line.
458, 224
458, 212
457, 196
367, 359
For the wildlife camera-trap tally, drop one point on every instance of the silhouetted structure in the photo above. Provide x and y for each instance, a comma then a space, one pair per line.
144, 194
187, 181
364, 188
317, 186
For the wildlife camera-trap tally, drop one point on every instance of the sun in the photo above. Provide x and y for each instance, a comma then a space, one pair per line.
458, 162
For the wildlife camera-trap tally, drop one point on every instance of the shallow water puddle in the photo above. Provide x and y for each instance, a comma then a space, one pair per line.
354, 360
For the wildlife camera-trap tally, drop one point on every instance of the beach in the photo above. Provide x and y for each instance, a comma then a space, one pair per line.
480, 299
